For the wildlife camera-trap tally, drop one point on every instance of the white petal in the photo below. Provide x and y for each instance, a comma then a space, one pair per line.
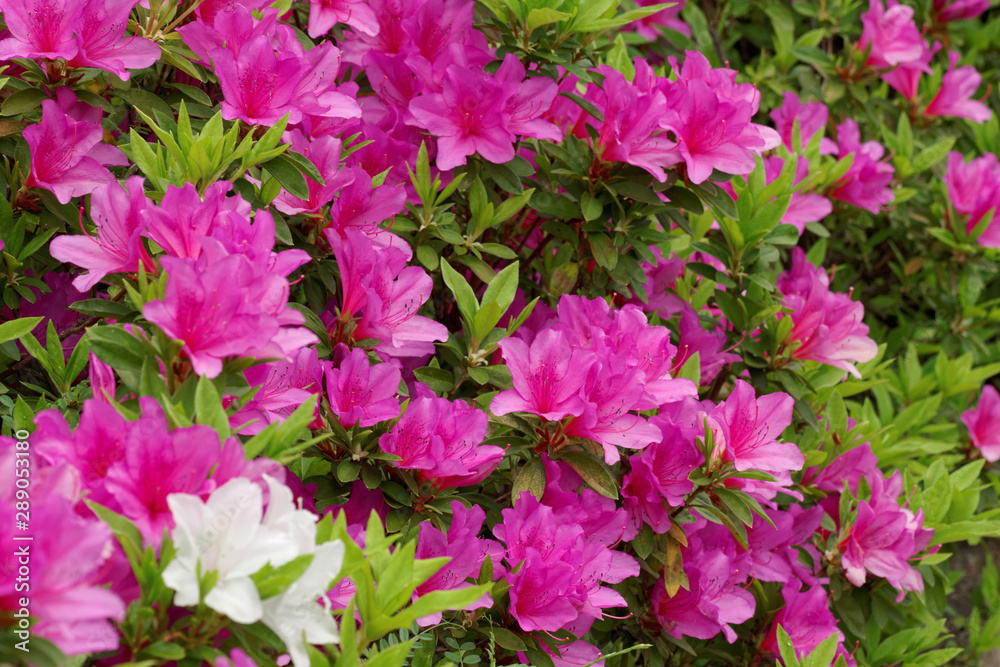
236, 598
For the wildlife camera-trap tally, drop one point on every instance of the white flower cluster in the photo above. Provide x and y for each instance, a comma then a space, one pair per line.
232, 536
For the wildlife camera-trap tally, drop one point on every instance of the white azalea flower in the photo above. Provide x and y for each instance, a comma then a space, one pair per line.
295, 615
230, 535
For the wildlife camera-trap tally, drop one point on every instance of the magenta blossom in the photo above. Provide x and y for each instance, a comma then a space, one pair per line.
883, 538
974, 190
225, 306
750, 428
104, 44
866, 183
360, 393
890, 35
117, 248
547, 377
282, 387
827, 326
466, 551
442, 441
649, 26
714, 597
40, 28
709, 345
983, 423
68, 556
67, 155
944, 11
659, 478
807, 619
955, 96
470, 115
811, 116
324, 14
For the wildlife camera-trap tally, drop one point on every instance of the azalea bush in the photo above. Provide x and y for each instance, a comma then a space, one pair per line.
520, 332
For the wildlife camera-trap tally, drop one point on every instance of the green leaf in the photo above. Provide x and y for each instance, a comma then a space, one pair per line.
14, 329
164, 651
822, 655
594, 473
503, 288
287, 173
102, 308
23, 101
507, 639
393, 656
543, 16
466, 299
930, 156
963, 530
786, 648
208, 408
126, 532
117, 348
531, 478
604, 250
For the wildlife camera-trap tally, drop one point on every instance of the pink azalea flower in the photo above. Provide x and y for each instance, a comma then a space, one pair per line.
533, 99
103, 43
547, 377
117, 248
40, 28
466, 551
612, 393
223, 307
750, 428
360, 393
883, 537
905, 77
954, 10
283, 387
710, 114
382, 295
660, 475
866, 183
827, 326
324, 152
812, 118
773, 551
68, 555
807, 619
974, 190
891, 35
955, 96
714, 597
707, 344
324, 14
468, 116
441, 440
632, 131
649, 27
983, 423
257, 84
67, 155
660, 277
183, 218
849, 467
364, 207
102, 379
558, 583
237, 658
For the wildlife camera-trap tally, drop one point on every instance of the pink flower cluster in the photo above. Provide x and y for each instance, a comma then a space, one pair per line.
558, 551
827, 326
84, 34
596, 365
896, 48
701, 119
974, 190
